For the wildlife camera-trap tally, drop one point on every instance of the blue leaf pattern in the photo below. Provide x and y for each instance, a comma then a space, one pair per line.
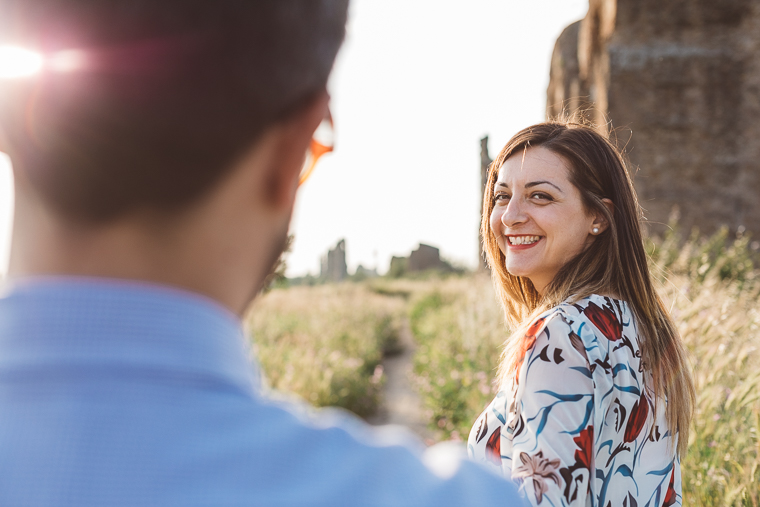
580, 424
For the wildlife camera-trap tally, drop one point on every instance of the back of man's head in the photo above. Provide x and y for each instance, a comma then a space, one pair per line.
144, 104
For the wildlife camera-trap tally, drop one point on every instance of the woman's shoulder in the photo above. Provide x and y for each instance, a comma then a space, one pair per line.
592, 323
574, 310
608, 317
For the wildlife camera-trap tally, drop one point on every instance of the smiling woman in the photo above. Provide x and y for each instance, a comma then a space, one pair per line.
595, 398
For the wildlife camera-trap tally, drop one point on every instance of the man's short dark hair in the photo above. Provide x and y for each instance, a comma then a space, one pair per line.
170, 94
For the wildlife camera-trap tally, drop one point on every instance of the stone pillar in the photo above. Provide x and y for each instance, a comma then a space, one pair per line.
334, 268
485, 162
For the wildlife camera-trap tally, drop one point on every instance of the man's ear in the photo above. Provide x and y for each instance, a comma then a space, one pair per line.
290, 140
600, 222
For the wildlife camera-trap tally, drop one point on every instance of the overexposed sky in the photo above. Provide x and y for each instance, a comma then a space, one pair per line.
415, 87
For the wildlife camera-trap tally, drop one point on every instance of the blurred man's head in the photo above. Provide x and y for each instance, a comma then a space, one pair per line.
163, 139
147, 103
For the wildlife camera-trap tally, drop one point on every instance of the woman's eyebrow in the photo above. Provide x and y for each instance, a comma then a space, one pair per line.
534, 183
501, 184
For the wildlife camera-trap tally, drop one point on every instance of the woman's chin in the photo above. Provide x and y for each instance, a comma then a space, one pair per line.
518, 269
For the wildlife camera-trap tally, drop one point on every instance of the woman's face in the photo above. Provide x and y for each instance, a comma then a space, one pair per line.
538, 218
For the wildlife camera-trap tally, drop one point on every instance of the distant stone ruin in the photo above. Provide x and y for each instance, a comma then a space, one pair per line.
334, 268
399, 266
425, 258
684, 78
362, 272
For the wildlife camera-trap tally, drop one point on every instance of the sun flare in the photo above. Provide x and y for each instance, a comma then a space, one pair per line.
17, 62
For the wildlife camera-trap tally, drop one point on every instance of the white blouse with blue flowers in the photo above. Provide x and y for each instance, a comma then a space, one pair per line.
577, 426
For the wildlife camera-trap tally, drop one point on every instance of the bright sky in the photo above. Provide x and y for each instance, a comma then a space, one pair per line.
415, 87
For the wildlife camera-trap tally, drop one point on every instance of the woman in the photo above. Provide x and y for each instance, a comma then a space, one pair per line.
596, 396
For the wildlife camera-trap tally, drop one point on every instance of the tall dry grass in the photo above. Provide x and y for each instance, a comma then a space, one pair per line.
325, 343
713, 288
721, 328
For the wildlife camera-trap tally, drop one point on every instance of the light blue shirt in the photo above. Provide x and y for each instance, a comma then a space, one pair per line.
129, 394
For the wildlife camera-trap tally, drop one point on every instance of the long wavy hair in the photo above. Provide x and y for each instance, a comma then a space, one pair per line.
614, 263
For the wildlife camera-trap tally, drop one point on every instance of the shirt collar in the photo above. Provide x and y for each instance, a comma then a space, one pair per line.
58, 321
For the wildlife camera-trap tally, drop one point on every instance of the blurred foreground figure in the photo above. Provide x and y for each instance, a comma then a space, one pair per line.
156, 155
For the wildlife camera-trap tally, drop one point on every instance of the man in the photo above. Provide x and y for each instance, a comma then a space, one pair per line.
156, 160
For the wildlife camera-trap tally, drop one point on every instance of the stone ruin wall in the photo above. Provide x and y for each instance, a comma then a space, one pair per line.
334, 267
679, 82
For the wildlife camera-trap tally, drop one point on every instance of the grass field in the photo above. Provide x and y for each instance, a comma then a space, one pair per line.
458, 325
714, 294
326, 342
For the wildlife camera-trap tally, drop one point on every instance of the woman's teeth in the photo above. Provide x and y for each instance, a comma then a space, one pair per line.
522, 240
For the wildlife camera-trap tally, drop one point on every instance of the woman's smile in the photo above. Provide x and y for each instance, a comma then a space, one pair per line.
521, 242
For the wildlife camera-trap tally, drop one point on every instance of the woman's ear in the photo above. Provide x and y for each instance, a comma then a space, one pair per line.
600, 224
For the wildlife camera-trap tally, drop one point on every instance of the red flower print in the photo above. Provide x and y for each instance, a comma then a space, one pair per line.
636, 419
528, 341
574, 474
531, 334
670, 496
493, 447
604, 319
585, 443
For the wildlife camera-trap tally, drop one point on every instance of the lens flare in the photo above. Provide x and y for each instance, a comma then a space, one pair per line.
69, 60
322, 142
18, 62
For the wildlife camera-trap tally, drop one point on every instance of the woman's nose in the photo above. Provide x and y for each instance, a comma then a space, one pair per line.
513, 214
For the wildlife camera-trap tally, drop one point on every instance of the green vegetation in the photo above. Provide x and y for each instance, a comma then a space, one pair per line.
713, 290
721, 327
699, 261
458, 325
325, 343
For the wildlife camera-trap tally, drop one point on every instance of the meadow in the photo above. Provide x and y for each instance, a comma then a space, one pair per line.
326, 343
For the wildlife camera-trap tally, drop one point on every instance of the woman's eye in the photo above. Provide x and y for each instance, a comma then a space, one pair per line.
501, 197
542, 196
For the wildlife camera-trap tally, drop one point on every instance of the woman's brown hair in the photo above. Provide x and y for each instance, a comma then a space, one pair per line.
615, 263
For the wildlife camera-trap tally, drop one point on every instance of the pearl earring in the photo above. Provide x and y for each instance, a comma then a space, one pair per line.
595, 230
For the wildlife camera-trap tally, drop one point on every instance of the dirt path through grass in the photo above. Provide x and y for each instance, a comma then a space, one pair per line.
401, 404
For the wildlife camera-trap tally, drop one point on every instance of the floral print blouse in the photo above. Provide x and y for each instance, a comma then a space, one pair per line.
577, 426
